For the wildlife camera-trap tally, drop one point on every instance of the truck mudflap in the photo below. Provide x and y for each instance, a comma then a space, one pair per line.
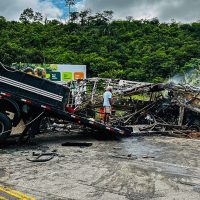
95, 125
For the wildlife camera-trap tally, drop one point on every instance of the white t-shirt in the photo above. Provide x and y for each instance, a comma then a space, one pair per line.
106, 96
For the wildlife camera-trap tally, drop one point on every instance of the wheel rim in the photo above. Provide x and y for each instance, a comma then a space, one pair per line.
1, 128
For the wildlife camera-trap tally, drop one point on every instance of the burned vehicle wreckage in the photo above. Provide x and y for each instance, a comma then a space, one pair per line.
138, 108
143, 108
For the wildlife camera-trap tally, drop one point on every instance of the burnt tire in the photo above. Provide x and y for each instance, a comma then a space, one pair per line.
195, 125
5, 127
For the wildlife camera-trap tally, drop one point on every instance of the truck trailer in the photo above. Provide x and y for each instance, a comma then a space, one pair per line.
30, 98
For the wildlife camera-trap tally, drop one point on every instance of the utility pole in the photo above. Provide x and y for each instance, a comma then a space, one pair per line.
69, 4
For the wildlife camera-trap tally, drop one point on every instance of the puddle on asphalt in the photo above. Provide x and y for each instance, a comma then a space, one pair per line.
141, 147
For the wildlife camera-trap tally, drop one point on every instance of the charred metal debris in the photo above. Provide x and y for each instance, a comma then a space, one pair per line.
144, 108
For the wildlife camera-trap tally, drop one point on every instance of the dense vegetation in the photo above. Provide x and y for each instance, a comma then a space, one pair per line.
144, 50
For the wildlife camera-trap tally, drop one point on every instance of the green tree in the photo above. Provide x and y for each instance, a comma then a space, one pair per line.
84, 15
74, 16
69, 4
27, 15
2, 22
141, 50
38, 17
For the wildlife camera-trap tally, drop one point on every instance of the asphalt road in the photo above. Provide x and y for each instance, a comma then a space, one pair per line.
132, 168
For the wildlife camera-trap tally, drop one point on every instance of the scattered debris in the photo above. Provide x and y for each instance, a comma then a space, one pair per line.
43, 157
77, 144
195, 135
144, 108
147, 156
129, 156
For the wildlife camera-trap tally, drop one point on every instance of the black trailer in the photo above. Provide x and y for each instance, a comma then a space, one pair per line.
30, 98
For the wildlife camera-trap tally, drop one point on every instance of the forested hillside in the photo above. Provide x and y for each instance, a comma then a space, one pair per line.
144, 50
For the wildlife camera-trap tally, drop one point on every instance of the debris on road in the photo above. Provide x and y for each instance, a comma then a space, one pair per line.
77, 144
129, 156
43, 157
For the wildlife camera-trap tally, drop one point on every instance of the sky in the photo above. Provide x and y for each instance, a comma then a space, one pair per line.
164, 10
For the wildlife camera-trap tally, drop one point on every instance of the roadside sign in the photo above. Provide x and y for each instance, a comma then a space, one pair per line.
78, 75
55, 76
67, 76
58, 72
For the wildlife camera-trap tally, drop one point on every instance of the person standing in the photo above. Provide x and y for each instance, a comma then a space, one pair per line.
107, 104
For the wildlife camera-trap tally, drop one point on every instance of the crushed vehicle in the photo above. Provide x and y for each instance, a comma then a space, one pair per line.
143, 108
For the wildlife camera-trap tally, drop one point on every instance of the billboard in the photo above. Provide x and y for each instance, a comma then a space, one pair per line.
58, 72
62, 72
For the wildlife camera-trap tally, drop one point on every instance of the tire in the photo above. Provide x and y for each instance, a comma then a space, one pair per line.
195, 125
5, 127
8, 106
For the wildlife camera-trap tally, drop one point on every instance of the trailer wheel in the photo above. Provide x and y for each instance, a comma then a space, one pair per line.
5, 127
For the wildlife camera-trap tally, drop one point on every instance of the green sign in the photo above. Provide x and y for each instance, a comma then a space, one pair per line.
67, 76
